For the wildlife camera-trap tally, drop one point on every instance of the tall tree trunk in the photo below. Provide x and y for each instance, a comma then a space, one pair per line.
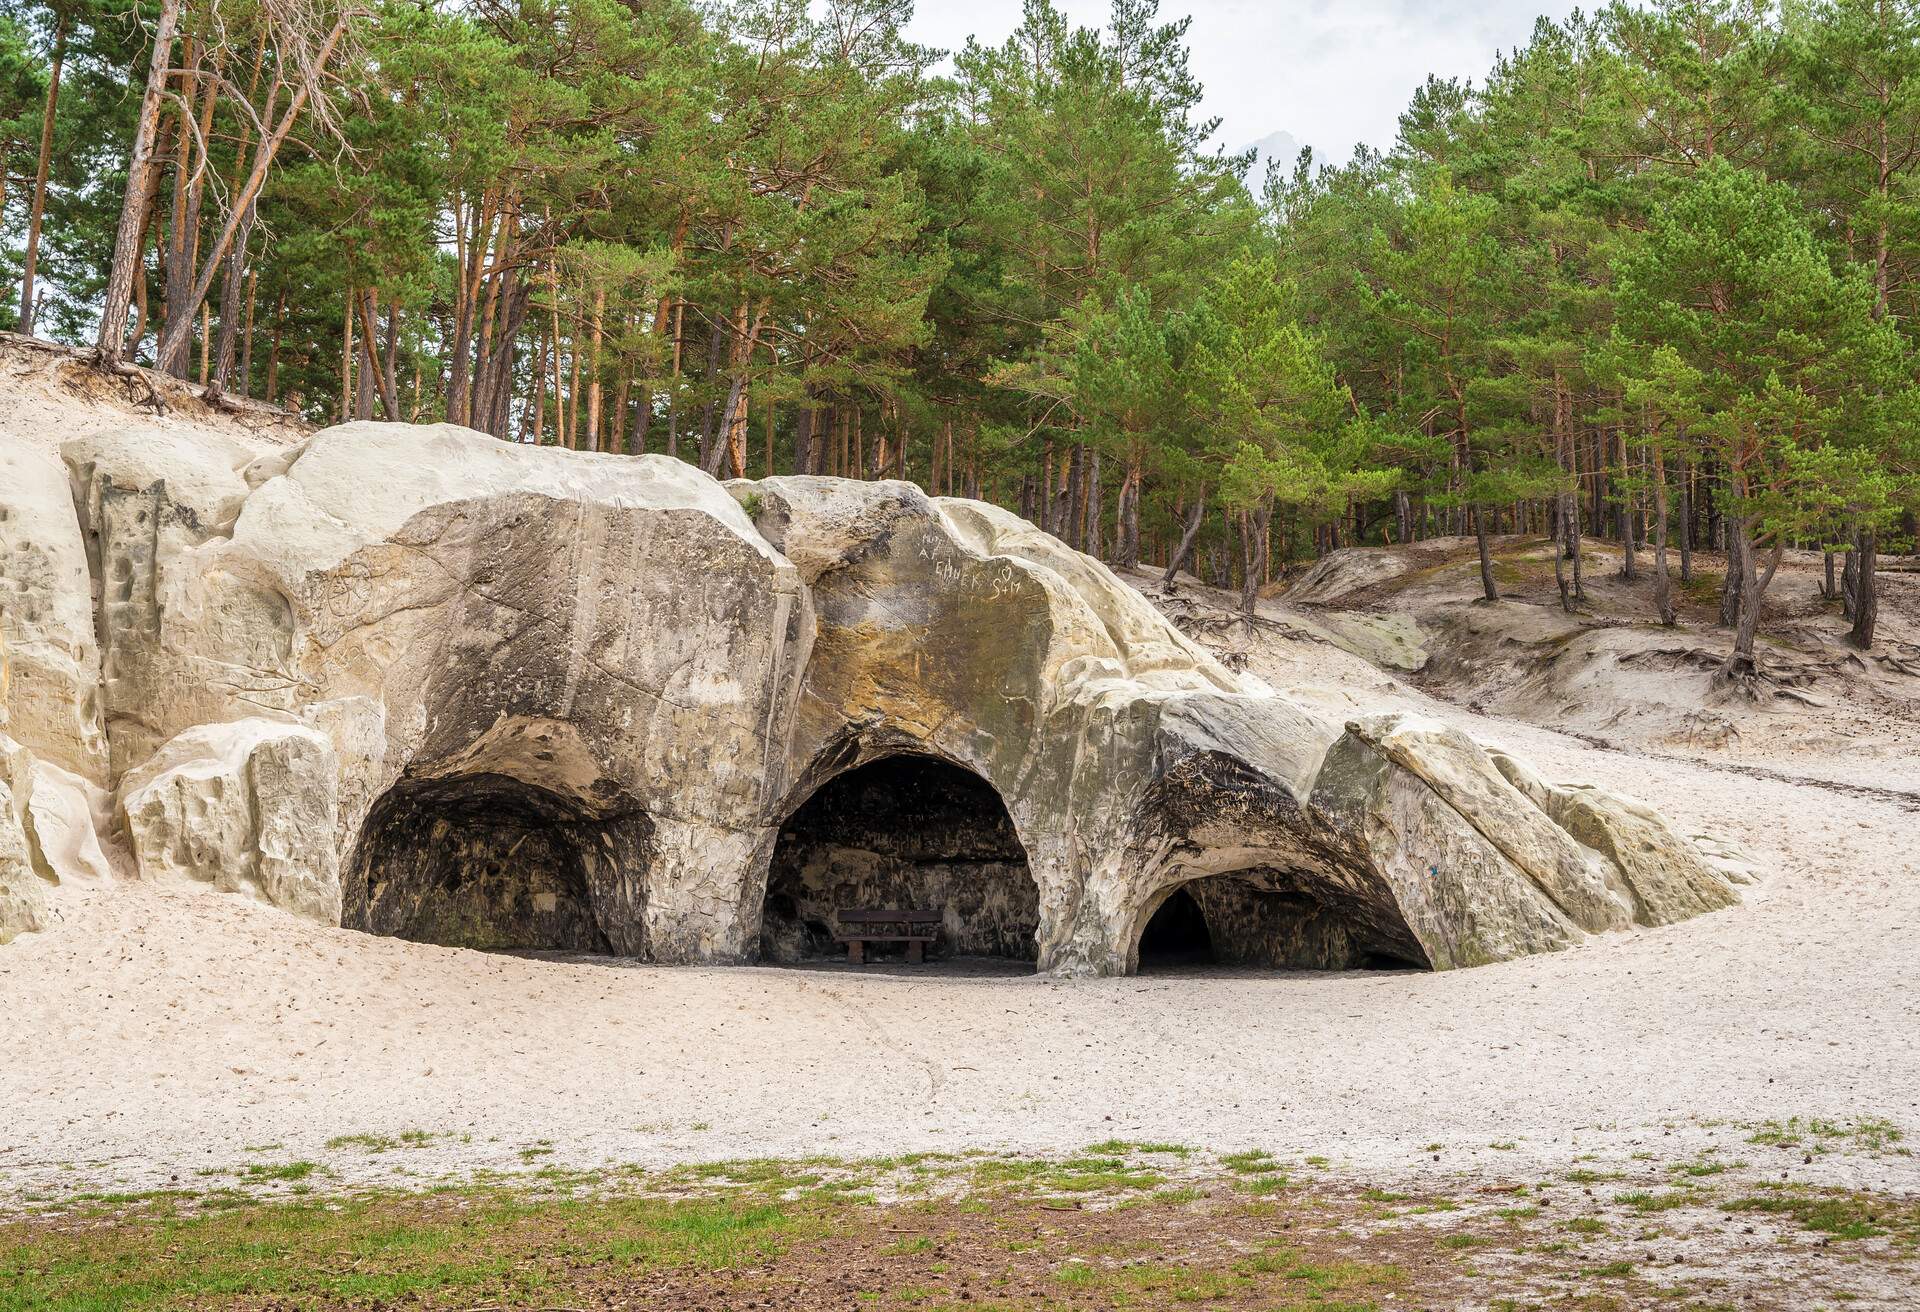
1076, 491
367, 361
1254, 526
803, 438
37, 205
1739, 594
244, 378
1662, 584
236, 260
1566, 452
1866, 597
471, 236
617, 412
110, 346
1096, 531
1128, 514
346, 358
273, 350
376, 377
715, 341
230, 294
175, 334
596, 335
1686, 525
1737, 572
1623, 512
1741, 662
537, 407
191, 165
1487, 585
390, 367
1194, 518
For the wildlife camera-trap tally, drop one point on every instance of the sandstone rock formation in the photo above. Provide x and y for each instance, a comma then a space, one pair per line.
420, 682
46, 596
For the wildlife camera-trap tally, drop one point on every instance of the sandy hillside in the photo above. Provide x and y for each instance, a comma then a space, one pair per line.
163, 1031
48, 395
1609, 673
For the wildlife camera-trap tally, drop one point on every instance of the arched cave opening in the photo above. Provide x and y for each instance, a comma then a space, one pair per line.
488, 861
1278, 919
1176, 935
910, 833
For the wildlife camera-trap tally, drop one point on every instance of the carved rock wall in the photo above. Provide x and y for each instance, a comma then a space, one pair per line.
422, 682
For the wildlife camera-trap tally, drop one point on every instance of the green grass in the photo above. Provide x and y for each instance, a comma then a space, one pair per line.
1261, 1185
380, 1143
1649, 1203
283, 1171
371, 1250
1838, 1213
1124, 1147
1253, 1161
1179, 1195
1872, 1134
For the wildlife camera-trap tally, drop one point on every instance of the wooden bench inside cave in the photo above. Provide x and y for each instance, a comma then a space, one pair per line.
860, 926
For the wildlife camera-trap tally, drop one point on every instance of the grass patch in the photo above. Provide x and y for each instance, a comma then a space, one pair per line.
283, 1171
1126, 1147
1648, 1203
1179, 1196
1254, 1161
372, 1250
379, 1143
1873, 1134
1611, 1271
1838, 1213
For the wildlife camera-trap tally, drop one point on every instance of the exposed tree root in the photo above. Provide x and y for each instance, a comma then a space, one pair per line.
131, 375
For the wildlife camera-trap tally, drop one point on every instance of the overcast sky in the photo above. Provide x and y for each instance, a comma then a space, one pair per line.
1331, 75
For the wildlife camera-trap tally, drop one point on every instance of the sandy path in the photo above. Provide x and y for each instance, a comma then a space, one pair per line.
168, 1029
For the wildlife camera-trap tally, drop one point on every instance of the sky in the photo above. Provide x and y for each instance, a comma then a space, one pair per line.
1328, 75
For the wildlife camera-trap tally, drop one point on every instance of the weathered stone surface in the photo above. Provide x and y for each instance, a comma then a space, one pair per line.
64, 815
1584, 888
434, 685
1668, 877
23, 891
180, 645
247, 806
46, 615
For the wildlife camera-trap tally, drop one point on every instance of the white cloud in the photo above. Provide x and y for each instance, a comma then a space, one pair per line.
1330, 75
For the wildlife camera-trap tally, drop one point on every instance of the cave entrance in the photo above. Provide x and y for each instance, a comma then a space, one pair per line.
1176, 935
1273, 918
904, 832
488, 861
